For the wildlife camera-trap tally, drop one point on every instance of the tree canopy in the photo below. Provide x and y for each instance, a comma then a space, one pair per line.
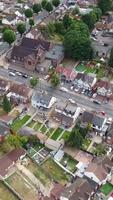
9, 36
49, 6
56, 3
105, 5
43, 3
28, 13
90, 19
21, 27
37, 8
6, 104
55, 79
75, 139
31, 22
33, 81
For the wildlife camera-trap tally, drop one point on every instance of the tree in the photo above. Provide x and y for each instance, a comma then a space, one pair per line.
105, 5
36, 8
77, 42
17, 140
55, 79
21, 28
110, 62
66, 21
43, 3
28, 13
33, 81
56, 3
9, 36
59, 28
90, 19
75, 139
75, 11
31, 22
49, 7
98, 13
100, 150
6, 104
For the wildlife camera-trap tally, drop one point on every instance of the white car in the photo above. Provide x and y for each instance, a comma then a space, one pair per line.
64, 89
46, 77
72, 101
11, 74
18, 73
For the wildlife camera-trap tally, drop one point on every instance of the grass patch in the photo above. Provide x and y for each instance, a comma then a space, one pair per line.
80, 68
22, 187
38, 146
31, 123
31, 152
43, 129
5, 193
65, 136
55, 172
49, 132
90, 70
38, 172
37, 126
106, 189
16, 125
5, 147
56, 134
86, 144
68, 162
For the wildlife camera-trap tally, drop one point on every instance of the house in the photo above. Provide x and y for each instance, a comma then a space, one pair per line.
65, 113
109, 134
98, 121
104, 89
42, 100
81, 189
56, 191
99, 170
19, 93
4, 86
56, 54
85, 81
66, 74
29, 52
9, 160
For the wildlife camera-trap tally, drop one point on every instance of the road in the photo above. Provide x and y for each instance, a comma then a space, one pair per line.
80, 99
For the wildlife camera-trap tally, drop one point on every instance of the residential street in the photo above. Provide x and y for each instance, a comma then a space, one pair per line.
80, 99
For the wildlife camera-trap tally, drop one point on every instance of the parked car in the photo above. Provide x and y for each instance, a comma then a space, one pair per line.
72, 101
11, 74
18, 73
63, 89
24, 75
96, 102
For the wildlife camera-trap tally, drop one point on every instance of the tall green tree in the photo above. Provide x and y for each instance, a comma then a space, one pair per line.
75, 139
33, 81
55, 79
49, 7
43, 3
66, 21
90, 19
77, 43
100, 150
6, 104
105, 5
17, 141
9, 36
31, 22
56, 3
21, 28
110, 62
28, 13
98, 13
37, 8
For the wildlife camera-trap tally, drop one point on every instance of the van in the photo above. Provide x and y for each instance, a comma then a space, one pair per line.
11, 74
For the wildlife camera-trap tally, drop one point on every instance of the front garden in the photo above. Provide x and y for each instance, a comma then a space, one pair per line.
106, 188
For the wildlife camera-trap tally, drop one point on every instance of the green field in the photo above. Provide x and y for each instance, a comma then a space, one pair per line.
16, 125
106, 189
56, 134
5, 193
43, 129
69, 163
31, 123
37, 126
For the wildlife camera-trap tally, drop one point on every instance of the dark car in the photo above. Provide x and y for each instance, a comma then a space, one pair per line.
24, 75
96, 102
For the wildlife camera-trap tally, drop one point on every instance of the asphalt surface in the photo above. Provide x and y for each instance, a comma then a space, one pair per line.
80, 99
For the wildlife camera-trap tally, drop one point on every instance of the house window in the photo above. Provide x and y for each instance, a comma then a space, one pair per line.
29, 62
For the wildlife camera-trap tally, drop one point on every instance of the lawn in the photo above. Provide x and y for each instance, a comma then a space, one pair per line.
106, 189
90, 70
38, 173
38, 146
22, 187
80, 68
65, 136
68, 162
5, 147
56, 134
5, 193
16, 125
43, 129
49, 132
31, 123
86, 144
37, 126
55, 172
